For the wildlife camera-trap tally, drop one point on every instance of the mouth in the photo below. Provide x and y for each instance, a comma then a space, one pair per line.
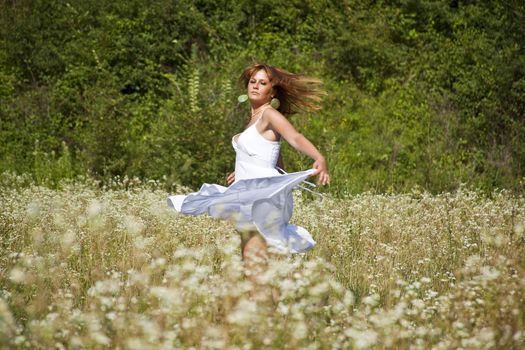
254, 93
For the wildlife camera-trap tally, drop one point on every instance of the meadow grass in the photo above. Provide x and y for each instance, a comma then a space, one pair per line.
96, 267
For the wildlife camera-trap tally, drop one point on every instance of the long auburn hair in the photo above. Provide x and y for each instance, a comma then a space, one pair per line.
295, 91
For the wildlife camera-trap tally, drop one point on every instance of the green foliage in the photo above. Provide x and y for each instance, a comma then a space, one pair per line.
50, 168
420, 93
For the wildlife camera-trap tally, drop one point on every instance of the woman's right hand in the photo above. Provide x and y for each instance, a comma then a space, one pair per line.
231, 178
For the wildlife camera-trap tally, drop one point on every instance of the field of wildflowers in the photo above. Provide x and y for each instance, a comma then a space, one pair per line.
97, 267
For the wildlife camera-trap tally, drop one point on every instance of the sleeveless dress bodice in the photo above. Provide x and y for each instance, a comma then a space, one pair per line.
256, 156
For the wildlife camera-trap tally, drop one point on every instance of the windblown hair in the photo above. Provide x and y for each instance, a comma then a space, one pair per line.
296, 92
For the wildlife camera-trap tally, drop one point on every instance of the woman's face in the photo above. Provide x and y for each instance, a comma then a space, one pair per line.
259, 88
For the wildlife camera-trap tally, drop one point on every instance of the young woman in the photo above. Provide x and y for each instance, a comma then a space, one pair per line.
259, 197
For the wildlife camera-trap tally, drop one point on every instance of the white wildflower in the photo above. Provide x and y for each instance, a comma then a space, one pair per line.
101, 338
487, 336
19, 340
17, 275
319, 289
287, 286
371, 300
110, 286
134, 343
489, 273
189, 323
150, 328
418, 303
7, 322
142, 243
136, 277
213, 338
134, 225
33, 210
362, 339
425, 280
159, 262
349, 298
68, 238
387, 318
244, 312
300, 330
94, 208
519, 336
472, 263
458, 325
519, 229
168, 296
283, 309
416, 285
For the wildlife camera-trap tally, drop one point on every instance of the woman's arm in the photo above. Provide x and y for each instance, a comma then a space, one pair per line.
281, 125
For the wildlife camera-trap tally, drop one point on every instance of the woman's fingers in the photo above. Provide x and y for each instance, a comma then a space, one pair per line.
321, 170
231, 178
321, 178
324, 178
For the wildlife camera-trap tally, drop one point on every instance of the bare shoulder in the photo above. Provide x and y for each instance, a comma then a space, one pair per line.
278, 123
273, 116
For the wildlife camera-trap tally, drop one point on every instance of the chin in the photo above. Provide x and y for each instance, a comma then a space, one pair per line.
257, 99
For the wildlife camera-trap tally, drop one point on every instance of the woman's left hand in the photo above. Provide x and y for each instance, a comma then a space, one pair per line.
321, 170
231, 178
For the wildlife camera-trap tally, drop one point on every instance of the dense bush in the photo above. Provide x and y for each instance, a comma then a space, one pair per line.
420, 93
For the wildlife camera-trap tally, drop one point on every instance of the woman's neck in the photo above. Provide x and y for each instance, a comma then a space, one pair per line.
257, 108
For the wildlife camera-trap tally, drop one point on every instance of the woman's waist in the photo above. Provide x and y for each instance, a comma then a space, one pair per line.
250, 160
259, 159
249, 170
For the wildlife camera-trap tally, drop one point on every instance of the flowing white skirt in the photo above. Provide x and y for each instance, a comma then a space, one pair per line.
264, 204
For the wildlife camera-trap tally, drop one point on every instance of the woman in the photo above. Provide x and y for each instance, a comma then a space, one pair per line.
259, 197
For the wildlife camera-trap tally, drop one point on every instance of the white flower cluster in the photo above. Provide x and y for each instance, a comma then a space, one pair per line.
90, 267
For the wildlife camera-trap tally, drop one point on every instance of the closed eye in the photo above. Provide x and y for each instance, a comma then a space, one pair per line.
262, 82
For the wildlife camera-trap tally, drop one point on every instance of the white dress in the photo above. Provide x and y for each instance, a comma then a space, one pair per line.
259, 199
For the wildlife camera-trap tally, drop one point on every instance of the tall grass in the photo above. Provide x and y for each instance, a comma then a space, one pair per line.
97, 267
